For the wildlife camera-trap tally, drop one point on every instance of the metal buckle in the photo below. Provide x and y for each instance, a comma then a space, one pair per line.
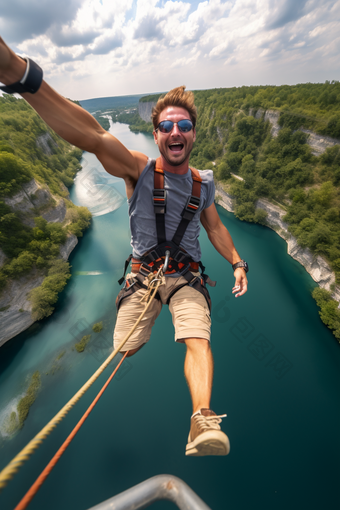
159, 201
191, 207
193, 281
144, 269
131, 283
180, 256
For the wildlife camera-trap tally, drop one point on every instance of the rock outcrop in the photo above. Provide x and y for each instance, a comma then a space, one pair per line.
35, 200
46, 143
15, 316
315, 265
273, 117
275, 216
318, 143
15, 308
223, 199
68, 246
145, 110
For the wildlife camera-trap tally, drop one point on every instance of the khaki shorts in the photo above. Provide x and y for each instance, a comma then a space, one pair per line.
188, 307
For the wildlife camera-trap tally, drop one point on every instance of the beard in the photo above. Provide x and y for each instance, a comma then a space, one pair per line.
177, 161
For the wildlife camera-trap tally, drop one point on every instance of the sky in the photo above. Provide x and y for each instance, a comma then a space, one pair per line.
99, 48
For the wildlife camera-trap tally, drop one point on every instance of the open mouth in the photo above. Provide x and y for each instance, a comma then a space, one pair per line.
176, 147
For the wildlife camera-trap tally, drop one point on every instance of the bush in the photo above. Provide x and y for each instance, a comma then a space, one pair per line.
26, 402
46, 295
97, 327
80, 220
20, 265
260, 216
80, 346
329, 313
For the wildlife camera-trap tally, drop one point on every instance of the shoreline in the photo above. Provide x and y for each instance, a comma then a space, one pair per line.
317, 267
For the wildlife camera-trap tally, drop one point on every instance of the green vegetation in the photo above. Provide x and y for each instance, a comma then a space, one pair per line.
329, 313
97, 327
56, 365
11, 424
60, 355
46, 295
23, 134
26, 402
136, 123
29, 149
103, 121
4, 308
80, 346
150, 98
79, 218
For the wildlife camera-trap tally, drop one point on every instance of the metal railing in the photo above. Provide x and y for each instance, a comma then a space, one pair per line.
154, 489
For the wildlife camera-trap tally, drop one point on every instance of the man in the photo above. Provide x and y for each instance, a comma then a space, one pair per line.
166, 202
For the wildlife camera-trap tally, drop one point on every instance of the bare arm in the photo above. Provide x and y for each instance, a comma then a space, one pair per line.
72, 122
223, 243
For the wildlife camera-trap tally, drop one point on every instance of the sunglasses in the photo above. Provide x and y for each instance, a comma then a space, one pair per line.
166, 126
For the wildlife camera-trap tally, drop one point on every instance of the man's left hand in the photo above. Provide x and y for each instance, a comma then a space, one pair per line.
241, 282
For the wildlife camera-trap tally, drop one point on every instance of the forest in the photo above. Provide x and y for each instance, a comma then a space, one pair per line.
283, 169
35, 248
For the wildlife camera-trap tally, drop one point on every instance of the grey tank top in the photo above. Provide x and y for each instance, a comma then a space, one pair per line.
178, 188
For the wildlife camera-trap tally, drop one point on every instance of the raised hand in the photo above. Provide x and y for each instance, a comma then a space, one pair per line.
12, 68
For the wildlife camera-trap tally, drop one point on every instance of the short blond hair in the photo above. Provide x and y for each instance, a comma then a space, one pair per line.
175, 97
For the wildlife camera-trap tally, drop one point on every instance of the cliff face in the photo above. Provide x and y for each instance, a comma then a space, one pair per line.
315, 265
33, 200
145, 110
318, 143
16, 314
45, 142
224, 199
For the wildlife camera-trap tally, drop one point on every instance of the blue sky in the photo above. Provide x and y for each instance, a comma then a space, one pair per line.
97, 48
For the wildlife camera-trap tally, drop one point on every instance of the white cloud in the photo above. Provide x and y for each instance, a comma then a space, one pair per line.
151, 45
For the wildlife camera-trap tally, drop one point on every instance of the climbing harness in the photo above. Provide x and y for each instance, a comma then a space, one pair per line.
13, 467
180, 261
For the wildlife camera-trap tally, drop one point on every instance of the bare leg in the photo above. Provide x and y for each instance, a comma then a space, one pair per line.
198, 370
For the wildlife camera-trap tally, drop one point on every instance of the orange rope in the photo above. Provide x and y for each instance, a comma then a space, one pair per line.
42, 477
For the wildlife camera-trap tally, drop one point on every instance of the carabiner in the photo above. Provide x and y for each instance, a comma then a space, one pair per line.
166, 262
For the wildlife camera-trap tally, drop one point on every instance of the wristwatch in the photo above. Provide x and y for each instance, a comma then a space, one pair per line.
243, 264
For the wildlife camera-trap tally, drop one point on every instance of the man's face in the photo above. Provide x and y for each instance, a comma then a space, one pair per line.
175, 147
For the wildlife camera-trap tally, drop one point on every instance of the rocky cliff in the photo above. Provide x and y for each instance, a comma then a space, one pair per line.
15, 309
35, 200
145, 110
315, 265
318, 143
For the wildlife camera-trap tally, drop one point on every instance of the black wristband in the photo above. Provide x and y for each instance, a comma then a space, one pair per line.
242, 264
34, 77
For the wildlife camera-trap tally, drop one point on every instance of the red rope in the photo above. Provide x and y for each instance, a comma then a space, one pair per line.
42, 477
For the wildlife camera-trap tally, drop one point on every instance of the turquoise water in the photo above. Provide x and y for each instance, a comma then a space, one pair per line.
277, 376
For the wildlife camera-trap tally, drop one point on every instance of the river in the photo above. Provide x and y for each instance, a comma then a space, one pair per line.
277, 376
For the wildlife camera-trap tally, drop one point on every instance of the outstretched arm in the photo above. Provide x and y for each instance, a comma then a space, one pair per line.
223, 243
72, 122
